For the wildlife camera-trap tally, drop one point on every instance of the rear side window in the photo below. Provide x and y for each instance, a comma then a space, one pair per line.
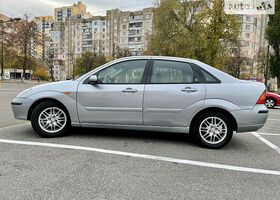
208, 78
171, 72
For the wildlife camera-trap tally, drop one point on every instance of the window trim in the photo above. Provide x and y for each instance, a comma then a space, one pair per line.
149, 77
143, 79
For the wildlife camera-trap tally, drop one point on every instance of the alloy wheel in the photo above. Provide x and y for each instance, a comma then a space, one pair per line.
213, 130
52, 119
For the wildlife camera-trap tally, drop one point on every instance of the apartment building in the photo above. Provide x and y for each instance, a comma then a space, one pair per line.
82, 35
252, 37
73, 31
4, 18
69, 39
61, 14
128, 29
44, 26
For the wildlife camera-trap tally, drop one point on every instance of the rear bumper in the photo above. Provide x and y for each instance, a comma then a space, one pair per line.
251, 120
20, 107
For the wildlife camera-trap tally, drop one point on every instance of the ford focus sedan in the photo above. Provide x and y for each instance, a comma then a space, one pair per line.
148, 93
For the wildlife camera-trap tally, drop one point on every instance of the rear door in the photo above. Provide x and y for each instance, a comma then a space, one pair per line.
172, 94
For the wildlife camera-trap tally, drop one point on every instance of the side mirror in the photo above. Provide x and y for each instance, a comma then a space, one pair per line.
93, 80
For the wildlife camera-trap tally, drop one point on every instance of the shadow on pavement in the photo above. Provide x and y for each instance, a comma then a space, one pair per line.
147, 136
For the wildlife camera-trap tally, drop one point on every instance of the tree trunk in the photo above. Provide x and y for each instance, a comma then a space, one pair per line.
278, 83
51, 68
24, 64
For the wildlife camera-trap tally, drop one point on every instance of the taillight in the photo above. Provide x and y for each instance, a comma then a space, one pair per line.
262, 98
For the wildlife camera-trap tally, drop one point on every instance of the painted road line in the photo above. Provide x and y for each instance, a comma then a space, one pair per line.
13, 126
272, 134
278, 120
271, 113
273, 146
144, 156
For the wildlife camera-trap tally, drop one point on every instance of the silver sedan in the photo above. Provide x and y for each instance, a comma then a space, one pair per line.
148, 93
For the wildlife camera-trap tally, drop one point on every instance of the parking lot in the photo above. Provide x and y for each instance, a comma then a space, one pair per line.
117, 164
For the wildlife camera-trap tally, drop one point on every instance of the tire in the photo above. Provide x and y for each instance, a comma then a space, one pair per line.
50, 119
270, 102
210, 136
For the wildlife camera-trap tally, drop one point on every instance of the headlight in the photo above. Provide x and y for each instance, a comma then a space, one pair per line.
20, 94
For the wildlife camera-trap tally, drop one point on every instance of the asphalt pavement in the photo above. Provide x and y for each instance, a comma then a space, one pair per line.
118, 164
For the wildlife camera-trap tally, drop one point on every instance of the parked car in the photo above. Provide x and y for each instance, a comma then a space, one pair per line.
272, 100
148, 93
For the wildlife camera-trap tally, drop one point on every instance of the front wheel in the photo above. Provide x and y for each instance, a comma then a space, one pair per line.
50, 119
213, 130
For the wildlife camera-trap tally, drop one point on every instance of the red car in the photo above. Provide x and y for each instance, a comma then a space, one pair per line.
272, 100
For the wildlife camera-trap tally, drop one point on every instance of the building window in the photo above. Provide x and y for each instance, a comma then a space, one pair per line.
248, 18
246, 52
123, 33
247, 27
148, 16
103, 29
95, 23
246, 44
247, 35
104, 23
147, 24
124, 26
124, 19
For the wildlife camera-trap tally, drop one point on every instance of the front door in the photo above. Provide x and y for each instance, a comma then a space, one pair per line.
172, 94
117, 97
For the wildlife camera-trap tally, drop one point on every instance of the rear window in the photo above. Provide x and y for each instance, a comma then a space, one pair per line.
208, 78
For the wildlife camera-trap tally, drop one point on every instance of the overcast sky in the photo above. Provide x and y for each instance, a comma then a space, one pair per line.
17, 8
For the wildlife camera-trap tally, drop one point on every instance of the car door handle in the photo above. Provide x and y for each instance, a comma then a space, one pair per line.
129, 90
188, 90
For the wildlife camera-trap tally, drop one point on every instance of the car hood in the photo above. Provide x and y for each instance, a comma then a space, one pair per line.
63, 86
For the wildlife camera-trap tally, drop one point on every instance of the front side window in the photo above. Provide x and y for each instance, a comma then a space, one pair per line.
171, 72
128, 72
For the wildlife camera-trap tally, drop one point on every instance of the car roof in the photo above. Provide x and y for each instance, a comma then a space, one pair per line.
158, 57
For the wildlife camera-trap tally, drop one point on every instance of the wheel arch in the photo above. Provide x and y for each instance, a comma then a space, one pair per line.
214, 109
37, 102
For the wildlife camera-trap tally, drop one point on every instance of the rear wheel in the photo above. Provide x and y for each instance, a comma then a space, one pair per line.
270, 103
50, 119
213, 130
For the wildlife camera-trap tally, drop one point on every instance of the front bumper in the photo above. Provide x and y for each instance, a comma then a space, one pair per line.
251, 120
20, 107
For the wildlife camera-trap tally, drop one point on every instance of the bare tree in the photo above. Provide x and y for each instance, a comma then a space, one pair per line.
120, 52
49, 60
235, 63
25, 36
262, 60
